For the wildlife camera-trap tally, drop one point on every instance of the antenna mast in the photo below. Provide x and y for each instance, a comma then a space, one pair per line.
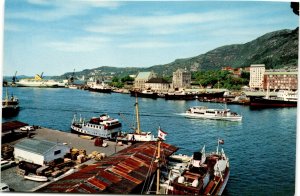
138, 130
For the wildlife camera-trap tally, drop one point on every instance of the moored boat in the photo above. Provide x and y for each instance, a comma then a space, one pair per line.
103, 126
145, 93
180, 95
99, 87
39, 81
214, 114
10, 106
207, 174
37, 178
284, 98
137, 135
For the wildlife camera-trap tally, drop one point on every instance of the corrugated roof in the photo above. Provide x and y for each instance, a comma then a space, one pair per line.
8, 126
36, 146
121, 173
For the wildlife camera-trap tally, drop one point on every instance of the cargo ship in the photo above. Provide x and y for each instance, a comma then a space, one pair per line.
145, 93
284, 98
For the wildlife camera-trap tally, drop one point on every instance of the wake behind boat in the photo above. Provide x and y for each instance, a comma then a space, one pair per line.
214, 114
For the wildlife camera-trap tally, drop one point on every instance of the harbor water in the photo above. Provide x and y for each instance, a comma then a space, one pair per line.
261, 148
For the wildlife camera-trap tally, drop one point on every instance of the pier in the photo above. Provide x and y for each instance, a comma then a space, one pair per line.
16, 181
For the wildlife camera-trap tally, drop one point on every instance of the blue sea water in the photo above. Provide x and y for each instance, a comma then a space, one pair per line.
261, 148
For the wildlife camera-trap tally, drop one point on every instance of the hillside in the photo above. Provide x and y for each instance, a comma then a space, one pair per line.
276, 49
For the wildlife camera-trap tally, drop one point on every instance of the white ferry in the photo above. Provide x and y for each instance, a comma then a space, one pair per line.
102, 126
215, 114
39, 81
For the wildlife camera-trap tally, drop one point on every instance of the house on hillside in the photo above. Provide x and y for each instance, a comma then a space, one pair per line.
39, 152
142, 78
157, 84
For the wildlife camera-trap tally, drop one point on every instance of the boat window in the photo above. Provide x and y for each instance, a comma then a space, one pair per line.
57, 152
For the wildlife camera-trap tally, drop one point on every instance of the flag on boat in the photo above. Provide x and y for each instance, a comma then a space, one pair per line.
221, 141
161, 134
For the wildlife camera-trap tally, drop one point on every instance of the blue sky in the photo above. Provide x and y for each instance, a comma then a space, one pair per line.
55, 36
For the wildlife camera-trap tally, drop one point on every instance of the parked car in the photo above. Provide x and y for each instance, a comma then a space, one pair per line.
27, 128
4, 187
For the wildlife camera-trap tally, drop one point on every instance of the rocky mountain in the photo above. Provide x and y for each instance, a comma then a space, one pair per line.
276, 50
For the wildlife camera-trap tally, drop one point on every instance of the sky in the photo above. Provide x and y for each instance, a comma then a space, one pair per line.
55, 36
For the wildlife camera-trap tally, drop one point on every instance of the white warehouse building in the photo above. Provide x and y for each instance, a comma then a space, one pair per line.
39, 151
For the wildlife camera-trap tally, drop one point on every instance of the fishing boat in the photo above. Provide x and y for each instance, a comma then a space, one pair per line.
137, 135
214, 114
10, 106
39, 81
36, 178
207, 174
284, 98
103, 126
180, 95
145, 93
99, 87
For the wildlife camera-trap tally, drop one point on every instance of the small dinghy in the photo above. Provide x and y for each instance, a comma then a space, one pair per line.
37, 178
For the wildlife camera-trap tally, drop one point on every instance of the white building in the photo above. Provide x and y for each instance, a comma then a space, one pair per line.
257, 72
157, 84
142, 78
39, 152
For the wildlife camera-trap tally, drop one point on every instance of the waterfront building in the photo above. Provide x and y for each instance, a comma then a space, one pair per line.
157, 84
280, 80
39, 152
181, 79
142, 78
257, 76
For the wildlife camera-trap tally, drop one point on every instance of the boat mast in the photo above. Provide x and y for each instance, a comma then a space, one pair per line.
158, 165
138, 130
6, 98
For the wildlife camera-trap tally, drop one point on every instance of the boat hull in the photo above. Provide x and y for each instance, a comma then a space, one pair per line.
233, 118
10, 111
99, 90
110, 133
144, 95
180, 97
270, 103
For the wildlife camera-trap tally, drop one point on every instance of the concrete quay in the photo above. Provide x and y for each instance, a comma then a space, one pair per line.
18, 184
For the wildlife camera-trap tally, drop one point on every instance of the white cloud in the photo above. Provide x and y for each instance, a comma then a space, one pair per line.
147, 45
56, 9
154, 24
83, 44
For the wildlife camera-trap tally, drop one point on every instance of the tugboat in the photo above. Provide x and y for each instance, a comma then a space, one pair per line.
137, 135
214, 114
10, 106
103, 126
207, 174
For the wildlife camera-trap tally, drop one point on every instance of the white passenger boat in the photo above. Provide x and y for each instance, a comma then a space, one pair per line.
215, 114
103, 126
37, 178
39, 81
